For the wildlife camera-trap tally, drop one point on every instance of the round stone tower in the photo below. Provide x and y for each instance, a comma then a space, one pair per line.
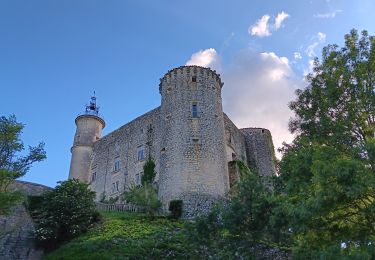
89, 130
193, 164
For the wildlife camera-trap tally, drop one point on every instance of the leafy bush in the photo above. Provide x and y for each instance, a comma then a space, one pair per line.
63, 213
175, 207
145, 196
148, 172
247, 225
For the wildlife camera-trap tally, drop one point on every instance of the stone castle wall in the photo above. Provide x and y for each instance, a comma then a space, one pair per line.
260, 151
191, 151
17, 228
193, 164
123, 145
89, 129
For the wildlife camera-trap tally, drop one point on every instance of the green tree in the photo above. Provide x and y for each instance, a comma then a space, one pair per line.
149, 172
13, 165
64, 213
247, 224
328, 172
145, 195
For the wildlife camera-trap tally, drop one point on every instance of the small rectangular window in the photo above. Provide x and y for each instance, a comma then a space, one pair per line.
117, 166
140, 154
93, 177
194, 79
117, 184
194, 110
138, 178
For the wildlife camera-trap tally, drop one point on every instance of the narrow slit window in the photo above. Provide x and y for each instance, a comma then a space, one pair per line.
117, 166
194, 110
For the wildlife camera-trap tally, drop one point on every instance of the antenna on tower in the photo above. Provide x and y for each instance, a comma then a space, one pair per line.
92, 108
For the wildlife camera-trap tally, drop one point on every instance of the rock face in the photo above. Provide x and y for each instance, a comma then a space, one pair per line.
16, 229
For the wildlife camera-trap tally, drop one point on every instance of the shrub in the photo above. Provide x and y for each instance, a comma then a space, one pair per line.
148, 172
63, 213
145, 196
175, 207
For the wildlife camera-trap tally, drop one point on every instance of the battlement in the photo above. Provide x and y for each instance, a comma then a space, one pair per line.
255, 130
190, 70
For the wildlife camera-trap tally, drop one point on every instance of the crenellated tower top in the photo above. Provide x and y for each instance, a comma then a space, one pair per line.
190, 70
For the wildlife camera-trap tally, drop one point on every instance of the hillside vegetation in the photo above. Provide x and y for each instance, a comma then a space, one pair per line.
128, 236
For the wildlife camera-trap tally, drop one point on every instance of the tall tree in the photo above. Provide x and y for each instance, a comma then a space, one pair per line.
12, 164
328, 172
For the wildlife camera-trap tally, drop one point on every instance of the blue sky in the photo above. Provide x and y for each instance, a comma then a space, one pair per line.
54, 54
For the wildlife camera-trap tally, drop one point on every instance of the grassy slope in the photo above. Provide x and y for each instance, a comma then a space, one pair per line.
128, 236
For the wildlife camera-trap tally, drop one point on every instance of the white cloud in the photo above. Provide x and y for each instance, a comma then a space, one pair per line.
327, 15
310, 51
318, 39
280, 65
297, 55
261, 28
205, 58
257, 90
321, 36
280, 18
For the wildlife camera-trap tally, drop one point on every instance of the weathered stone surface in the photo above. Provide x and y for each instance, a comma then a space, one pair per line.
16, 229
191, 153
196, 204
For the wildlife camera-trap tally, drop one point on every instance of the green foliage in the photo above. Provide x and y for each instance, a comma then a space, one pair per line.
63, 213
130, 236
250, 218
148, 172
322, 206
175, 207
145, 196
13, 165
9, 199
328, 172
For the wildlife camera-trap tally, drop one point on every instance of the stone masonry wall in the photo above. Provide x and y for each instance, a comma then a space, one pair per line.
194, 162
235, 141
16, 229
260, 150
123, 145
89, 129
191, 153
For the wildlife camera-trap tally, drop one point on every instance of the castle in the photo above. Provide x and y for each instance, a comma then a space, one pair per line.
188, 136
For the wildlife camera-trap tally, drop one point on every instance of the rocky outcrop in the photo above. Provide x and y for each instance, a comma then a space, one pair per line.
16, 229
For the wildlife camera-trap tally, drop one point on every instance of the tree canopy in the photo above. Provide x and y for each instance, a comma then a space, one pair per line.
12, 164
322, 204
328, 172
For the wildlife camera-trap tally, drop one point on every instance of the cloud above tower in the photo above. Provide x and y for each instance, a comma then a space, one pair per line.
257, 90
205, 58
263, 27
